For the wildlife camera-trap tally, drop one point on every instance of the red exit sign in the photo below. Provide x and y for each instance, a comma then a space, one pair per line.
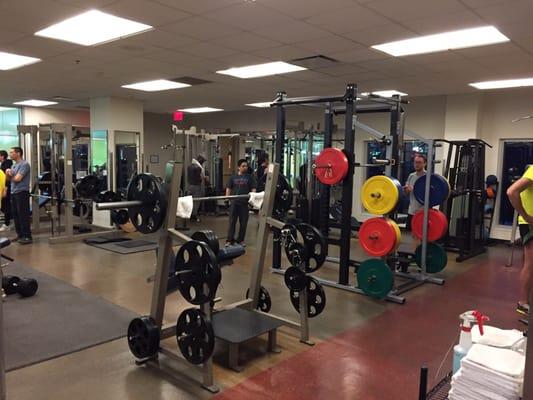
177, 116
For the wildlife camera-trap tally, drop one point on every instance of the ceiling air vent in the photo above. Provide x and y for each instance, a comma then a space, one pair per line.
315, 62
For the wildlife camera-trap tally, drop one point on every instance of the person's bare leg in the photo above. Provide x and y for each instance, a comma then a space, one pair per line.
526, 275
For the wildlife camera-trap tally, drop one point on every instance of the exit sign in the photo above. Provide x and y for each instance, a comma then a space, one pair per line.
177, 116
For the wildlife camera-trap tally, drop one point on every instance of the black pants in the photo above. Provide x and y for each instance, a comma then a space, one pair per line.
6, 207
20, 206
239, 211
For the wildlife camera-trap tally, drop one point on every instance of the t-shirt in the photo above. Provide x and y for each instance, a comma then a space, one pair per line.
527, 195
194, 175
22, 167
414, 205
2, 184
241, 184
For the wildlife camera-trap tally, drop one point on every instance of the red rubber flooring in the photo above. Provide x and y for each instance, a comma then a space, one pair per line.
382, 358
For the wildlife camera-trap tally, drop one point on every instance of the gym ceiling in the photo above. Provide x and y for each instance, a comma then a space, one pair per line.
195, 38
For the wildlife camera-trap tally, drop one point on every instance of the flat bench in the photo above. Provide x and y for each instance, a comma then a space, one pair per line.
238, 325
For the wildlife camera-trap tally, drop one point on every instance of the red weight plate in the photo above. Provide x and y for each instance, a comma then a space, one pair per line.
437, 224
331, 166
377, 237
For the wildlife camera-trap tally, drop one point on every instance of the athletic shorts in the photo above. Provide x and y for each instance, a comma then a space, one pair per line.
408, 222
526, 233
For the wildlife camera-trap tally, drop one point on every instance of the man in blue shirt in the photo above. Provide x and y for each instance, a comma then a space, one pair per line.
242, 183
19, 175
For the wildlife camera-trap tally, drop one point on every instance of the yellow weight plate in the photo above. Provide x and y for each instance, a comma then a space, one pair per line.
398, 232
380, 195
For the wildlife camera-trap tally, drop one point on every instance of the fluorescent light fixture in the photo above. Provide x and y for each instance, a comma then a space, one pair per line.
157, 85
267, 69
11, 61
198, 110
264, 104
507, 83
385, 93
7, 108
444, 41
35, 103
93, 27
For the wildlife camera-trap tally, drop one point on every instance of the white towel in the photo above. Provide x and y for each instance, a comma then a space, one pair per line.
496, 337
256, 199
185, 205
504, 361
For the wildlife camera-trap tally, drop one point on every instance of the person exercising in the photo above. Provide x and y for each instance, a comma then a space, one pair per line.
419, 162
5, 164
520, 195
19, 175
242, 183
196, 180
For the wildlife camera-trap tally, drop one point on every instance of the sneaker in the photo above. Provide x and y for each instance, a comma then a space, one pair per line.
522, 309
242, 244
228, 243
4, 228
25, 241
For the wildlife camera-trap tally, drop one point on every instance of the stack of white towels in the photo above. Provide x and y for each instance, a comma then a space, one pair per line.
488, 372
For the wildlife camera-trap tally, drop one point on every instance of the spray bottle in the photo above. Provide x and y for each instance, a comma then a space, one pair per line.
468, 319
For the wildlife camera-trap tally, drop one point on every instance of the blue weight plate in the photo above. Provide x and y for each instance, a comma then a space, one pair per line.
438, 193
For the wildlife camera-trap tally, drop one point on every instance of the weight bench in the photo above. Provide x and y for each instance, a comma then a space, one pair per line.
238, 325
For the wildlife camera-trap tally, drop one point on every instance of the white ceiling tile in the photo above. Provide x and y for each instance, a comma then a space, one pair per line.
239, 60
410, 9
380, 34
361, 54
329, 45
347, 19
305, 9
296, 31
10, 36
482, 3
444, 22
341, 70
283, 53
501, 49
248, 16
200, 28
510, 11
432, 58
154, 40
246, 42
145, 11
198, 6
86, 3
208, 50
39, 47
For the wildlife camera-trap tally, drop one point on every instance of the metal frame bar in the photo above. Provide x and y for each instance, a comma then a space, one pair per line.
33, 131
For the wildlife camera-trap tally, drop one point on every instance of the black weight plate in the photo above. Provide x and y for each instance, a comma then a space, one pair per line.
209, 237
121, 217
143, 337
316, 247
283, 197
27, 287
316, 298
108, 196
295, 279
265, 301
195, 336
297, 254
197, 271
148, 189
9, 284
88, 187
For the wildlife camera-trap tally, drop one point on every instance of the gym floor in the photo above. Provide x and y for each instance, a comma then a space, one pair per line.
365, 348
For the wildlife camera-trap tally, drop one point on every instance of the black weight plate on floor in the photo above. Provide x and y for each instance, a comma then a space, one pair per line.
143, 337
121, 217
88, 187
316, 247
27, 287
295, 278
209, 237
147, 188
265, 301
197, 271
195, 336
316, 298
9, 284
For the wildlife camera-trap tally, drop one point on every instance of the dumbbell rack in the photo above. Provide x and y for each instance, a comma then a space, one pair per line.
166, 241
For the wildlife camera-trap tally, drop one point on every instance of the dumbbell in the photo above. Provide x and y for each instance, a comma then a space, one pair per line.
26, 287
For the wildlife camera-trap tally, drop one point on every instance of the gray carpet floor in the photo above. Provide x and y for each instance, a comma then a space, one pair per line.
60, 319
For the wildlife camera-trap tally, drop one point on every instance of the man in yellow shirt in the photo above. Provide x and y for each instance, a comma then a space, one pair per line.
521, 197
3, 186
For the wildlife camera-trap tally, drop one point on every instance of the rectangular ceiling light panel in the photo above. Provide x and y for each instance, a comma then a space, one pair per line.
460, 39
259, 70
11, 61
93, 27
198, 110
156, 85
35, 103
506, 83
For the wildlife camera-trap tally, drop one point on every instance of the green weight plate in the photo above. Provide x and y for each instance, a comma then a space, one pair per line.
375, 278
436, 258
